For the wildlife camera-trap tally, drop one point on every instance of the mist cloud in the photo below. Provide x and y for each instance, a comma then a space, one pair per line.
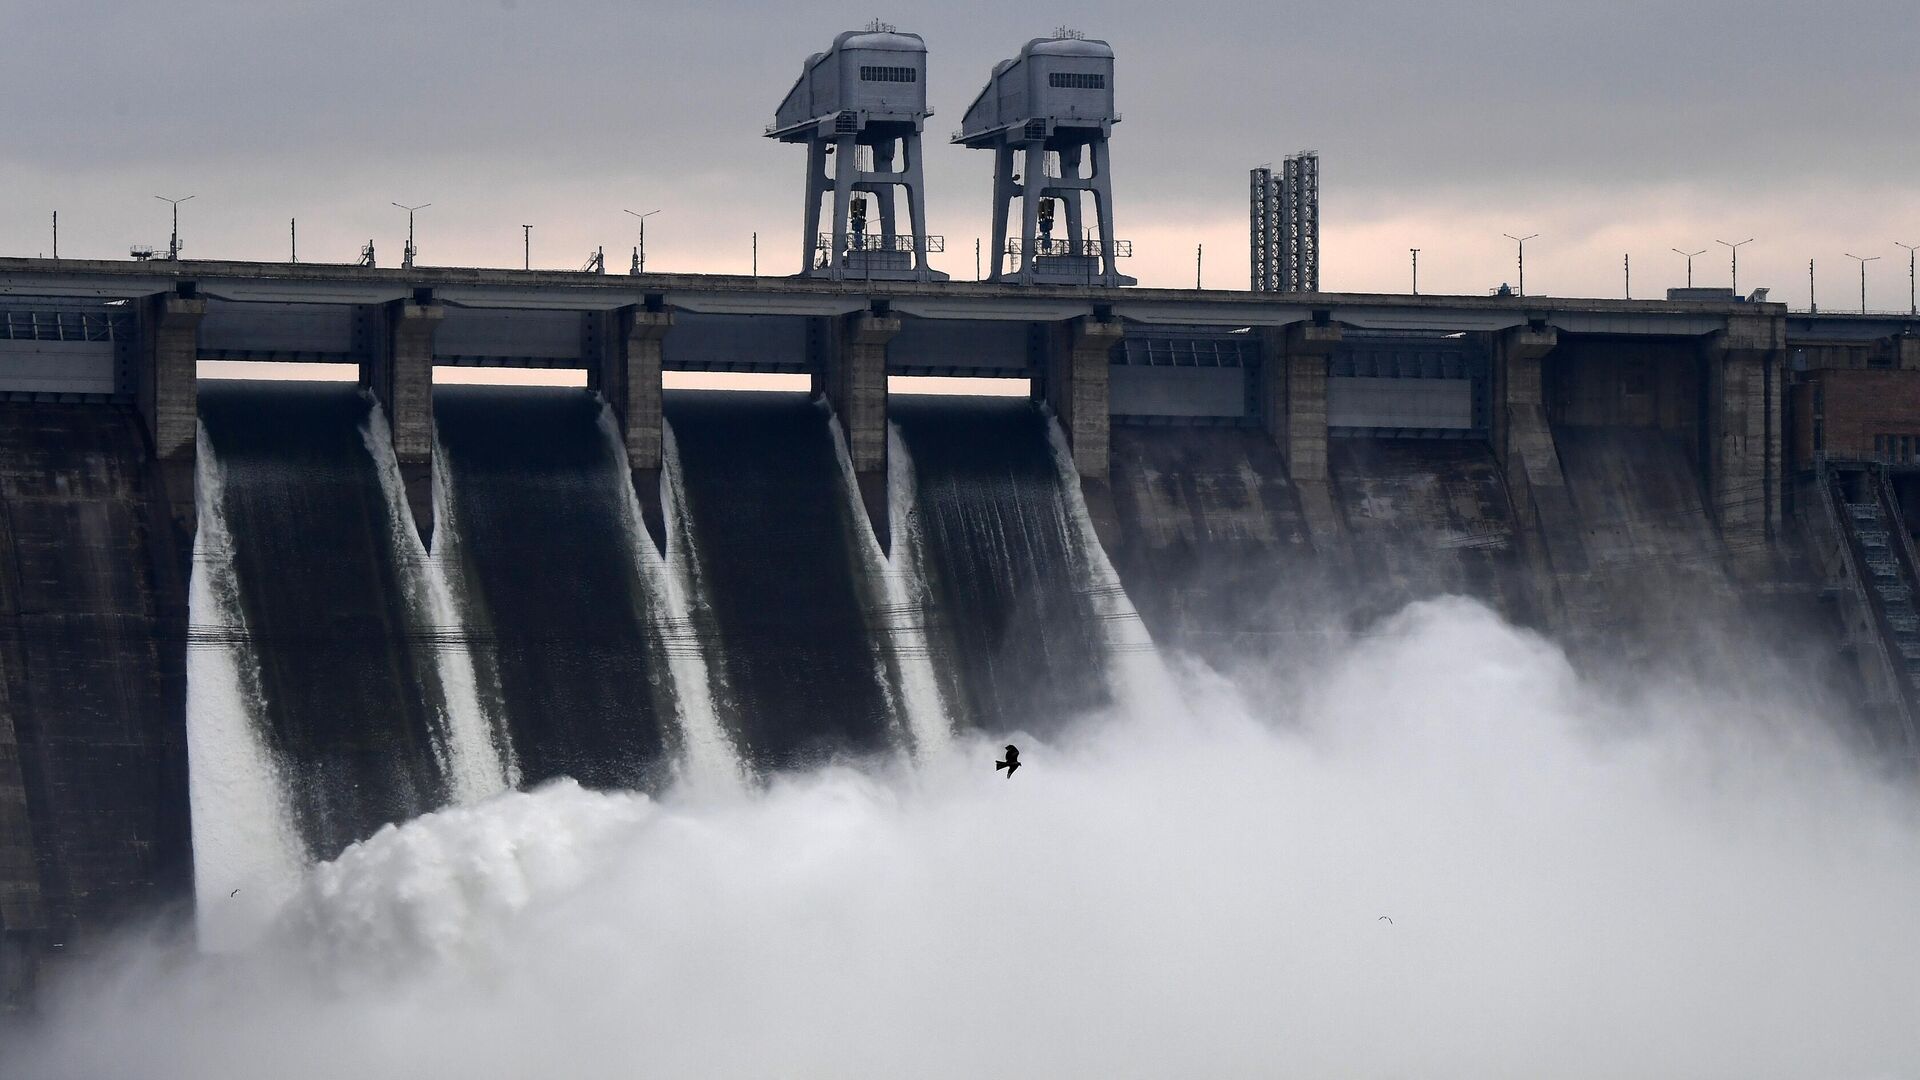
1672, 881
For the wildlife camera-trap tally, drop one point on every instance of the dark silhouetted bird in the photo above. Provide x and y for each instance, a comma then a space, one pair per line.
1012, 762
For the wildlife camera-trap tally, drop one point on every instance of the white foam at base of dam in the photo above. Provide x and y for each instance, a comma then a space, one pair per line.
1437, 852
247, 854
466, 742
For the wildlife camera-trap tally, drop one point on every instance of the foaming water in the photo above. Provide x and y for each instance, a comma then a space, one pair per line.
1438, 853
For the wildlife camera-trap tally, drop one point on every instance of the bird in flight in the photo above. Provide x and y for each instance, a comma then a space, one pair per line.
1011, 763
1383, 918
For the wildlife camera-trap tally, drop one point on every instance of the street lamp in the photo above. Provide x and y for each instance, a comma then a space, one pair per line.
1912, 308
1689, 255
1735, 248
1416, 270
406, 257
640, 251
1863, 261
173, 242
1522, 241
526, 248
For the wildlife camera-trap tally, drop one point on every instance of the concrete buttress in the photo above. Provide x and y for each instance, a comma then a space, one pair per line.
169, 398
626, 349
1293, 410
855, 385
1077, 365
399, 372
1743, 432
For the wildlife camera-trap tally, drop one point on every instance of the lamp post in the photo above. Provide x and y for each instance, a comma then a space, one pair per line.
406, 257
1416, 270
1863, 261
1689, 255
1522, 242
1912, 308
640, 252
173, 242
526, 247
1735, 248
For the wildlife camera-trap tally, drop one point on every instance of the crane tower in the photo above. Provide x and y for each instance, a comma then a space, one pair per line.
859, 107
1047, 115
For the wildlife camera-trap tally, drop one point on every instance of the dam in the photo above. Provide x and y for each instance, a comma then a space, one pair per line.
399, 596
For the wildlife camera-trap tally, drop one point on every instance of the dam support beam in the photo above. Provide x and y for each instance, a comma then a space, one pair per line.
1293, 411
854, 381
1523, 445
169, 396
1077, 362
1742, 445
1076, 368
1293, 395
399, 372
625, 351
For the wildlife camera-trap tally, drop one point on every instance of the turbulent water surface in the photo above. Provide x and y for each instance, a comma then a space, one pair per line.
1433, 851
557, 797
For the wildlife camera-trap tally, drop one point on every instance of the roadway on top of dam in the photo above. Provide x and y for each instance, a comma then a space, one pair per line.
728, 294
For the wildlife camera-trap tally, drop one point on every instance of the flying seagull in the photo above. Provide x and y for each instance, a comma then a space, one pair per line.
1389, 921
1012, 762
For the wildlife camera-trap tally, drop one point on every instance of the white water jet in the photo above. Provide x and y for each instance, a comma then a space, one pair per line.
710, 759
910, 597
1136, 675
466, 742
247, 853
442, 569
895, 597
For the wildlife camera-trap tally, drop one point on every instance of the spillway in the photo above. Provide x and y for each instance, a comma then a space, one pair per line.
780, 560
1014, 620
349, 698
550, 593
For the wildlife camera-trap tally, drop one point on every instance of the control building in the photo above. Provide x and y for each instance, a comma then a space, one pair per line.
1047, 115
859, 108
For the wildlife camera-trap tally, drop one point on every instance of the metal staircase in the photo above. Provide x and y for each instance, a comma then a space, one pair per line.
1878, 556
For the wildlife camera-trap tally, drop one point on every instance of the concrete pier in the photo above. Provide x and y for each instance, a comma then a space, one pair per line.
624, 350
1523, 445
1076, 388
853, 376
1293, 412
1294, 395
168, 394
399, 372
1742, 380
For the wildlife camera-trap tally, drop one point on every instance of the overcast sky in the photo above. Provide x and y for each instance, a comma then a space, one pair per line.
1625, 127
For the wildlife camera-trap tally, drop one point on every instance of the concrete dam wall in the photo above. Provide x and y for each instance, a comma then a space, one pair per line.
247, 625
93, 643
559, 607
